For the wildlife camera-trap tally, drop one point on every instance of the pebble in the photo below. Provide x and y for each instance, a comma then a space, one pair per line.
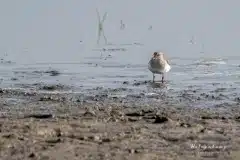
160, 119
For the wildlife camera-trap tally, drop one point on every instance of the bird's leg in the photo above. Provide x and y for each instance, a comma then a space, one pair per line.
153, 78
162, 77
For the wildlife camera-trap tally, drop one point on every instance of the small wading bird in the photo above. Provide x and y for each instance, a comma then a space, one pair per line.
158, 64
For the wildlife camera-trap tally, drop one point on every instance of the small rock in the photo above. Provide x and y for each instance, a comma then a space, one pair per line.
147, 111
134, 96
49, 132
53, 87
237, 99
223, 118
132, 151
8, 135
132, 119
237, 119
199, 129
58, 132
95, 138
14, 79
29, 94
89, 114
106, 140
125, 82
77, 136
31, 155
53, 72
206, 117
53, 140
137, 84
160, 119
39, 116
21, 138
43, 157
186, 125
149, 117
46, 98
135, 114
220, 130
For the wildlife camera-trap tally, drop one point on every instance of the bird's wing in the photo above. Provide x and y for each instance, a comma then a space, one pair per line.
150, 61
166, 59
168, 62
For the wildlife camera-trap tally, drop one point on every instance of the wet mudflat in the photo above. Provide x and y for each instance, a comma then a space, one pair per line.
103, 109
35, 125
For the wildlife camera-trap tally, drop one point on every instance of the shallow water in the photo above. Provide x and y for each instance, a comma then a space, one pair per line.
51, 41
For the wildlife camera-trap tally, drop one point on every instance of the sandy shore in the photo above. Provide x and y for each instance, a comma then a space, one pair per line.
34, 126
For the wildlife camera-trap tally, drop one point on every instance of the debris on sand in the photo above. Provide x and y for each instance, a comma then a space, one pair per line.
49, 132
135, 114
160, 119
53, 87
125, 82
52, 98
14, 79
53, 72
53, 140
89, 113
237, 119
39, 116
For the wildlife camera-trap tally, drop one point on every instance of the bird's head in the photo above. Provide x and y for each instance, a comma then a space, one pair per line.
155, 54
161, 55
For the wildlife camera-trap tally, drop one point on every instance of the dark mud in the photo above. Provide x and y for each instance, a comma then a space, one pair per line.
52, 87
101, 124
51, 72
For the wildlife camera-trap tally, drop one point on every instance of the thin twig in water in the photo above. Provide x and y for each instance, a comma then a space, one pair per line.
122, 25
100, 27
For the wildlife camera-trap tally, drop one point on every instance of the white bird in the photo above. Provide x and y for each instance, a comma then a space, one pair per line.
159, 64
